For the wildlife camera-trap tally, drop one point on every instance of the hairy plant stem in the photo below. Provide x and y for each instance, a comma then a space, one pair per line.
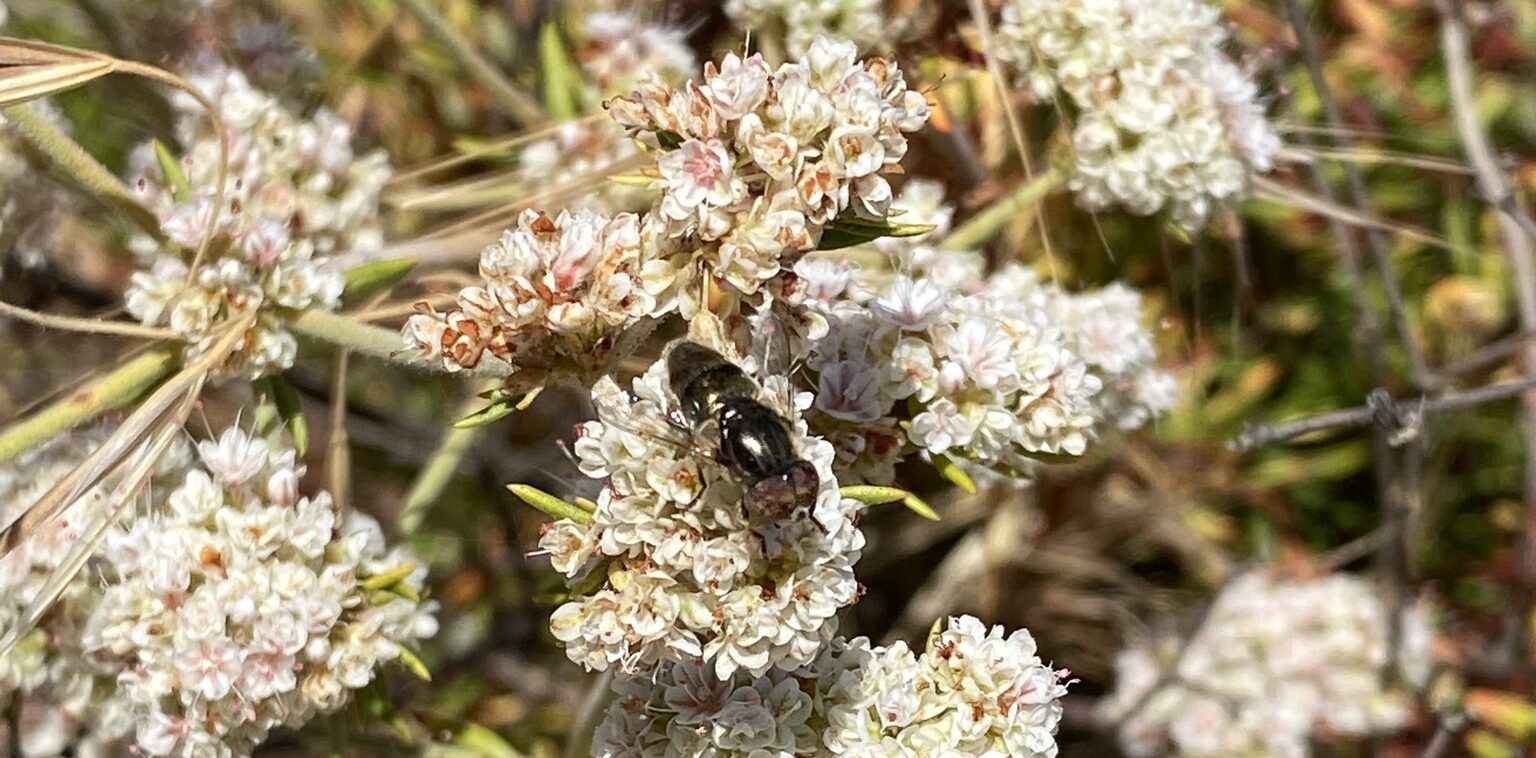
116, 389
75, 162
441, 467
988, 223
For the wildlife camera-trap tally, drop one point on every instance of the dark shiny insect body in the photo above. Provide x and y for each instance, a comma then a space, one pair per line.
751, 440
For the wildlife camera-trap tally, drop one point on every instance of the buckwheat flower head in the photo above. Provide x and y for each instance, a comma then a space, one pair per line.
616, 48
684, 571
1277, 664
557, 294
65, 700
754, 163
237, 605
861, 22
295, 195
973, 691
1164, 119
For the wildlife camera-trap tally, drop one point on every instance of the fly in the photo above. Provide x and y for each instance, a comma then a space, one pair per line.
752, 441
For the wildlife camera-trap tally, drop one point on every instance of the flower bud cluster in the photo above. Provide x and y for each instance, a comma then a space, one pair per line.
862, 22
684, 569
230, 606
972, 691
294, 195
1277, 663
993, 371
616, 49
1164, 119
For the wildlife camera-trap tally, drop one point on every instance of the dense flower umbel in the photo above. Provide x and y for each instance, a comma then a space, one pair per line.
755, 162
1164, 119
1277, 663
618, 48
800, 22
66, 700
237, 605
685, 571
295, 194
974, 691
994, 371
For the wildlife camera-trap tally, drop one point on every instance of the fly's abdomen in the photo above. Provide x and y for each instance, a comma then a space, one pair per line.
701, 378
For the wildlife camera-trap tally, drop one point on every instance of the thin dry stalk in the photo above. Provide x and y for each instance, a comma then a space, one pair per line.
1492, 183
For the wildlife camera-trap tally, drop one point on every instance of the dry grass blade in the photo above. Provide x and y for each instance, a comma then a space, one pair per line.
500, 215
30, 70
140, 464
1274, 191
138, 427
135, 446
487, 150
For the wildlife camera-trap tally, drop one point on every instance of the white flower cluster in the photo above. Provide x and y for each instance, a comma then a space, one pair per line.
557, 294
617, 48
1276, 663
295, 194
64, 699
974, 691
240, 606
756, 164
685, 571
800, 23
994, 371
1164, 119
232, 606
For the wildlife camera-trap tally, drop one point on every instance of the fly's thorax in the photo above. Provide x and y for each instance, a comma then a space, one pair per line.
701, 379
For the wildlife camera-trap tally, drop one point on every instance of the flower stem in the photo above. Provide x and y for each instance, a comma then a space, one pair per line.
114, 390
440, 468
510, 99
79, 165
377, 342
985, 225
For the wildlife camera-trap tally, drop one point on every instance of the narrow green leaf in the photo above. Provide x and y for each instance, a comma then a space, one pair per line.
561, 82
483, 742
388, 579
375, 277
496, 411
171, 169
916, 505
550, 504
952, 471
286, 399
873, 495
413, 664
847, 232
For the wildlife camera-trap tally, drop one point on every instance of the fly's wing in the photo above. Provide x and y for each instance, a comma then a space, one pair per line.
774, 369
